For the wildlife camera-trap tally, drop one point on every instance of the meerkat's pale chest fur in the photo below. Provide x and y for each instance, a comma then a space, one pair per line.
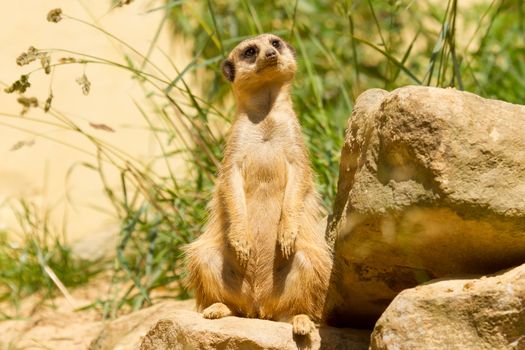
263, 253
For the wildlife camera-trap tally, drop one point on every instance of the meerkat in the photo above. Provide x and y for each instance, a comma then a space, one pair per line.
263, 253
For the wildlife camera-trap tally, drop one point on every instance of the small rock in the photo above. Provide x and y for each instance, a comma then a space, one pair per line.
489, 315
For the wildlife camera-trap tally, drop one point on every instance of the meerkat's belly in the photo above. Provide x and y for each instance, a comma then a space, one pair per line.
264, 173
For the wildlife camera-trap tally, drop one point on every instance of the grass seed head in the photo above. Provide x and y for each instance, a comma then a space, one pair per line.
120, 3
27, 103
33, 54
27, 57
47, 105
21, 85
45, 61
85, 84
64, 60
21, 144
54, 15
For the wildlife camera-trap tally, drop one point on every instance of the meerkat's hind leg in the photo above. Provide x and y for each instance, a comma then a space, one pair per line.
217, 310
302, 324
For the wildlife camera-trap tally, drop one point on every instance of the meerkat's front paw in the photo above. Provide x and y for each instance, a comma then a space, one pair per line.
302, 325
217, 310
286, 238
242, 251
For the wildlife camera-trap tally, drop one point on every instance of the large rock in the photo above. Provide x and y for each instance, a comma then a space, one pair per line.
173, 326
431, 184
475, 314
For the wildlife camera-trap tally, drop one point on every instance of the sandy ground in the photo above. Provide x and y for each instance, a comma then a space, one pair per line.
55, 325
66, 324
39, 173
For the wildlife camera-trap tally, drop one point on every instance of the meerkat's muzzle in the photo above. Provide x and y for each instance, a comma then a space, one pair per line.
270, 53
269, 59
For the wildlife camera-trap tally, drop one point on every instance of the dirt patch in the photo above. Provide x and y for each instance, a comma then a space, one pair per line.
54, 324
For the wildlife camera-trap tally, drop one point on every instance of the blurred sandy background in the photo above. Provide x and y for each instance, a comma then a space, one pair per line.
39, 172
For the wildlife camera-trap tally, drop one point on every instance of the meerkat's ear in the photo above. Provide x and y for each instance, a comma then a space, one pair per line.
228, 69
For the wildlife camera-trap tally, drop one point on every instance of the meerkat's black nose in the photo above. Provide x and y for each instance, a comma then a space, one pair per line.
270, 53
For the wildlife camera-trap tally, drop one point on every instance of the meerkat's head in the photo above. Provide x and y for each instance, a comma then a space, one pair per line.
260, 60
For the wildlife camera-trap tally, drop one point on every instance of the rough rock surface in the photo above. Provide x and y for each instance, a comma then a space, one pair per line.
476, 314
172, 325
431, 184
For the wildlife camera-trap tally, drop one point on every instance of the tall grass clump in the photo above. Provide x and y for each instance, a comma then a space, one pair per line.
344, 47
37, 260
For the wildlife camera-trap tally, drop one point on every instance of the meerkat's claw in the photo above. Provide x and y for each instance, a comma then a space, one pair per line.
286, 248
302, 325
287, 241
217, 310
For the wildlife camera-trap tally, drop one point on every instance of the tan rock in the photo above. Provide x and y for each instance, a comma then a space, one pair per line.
125, 332
173, 326
468, 314
431, 184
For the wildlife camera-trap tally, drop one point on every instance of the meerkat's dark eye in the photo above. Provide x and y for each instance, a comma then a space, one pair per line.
276, 43
249, 52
